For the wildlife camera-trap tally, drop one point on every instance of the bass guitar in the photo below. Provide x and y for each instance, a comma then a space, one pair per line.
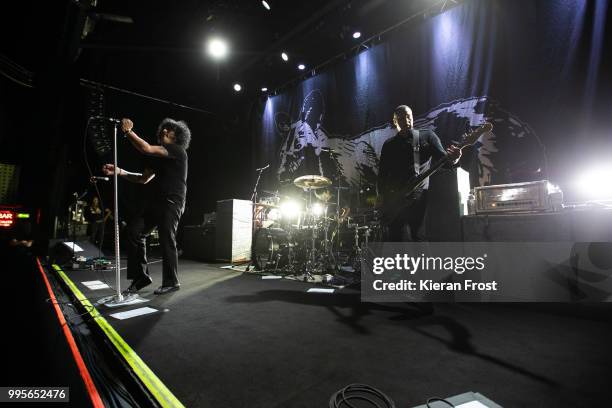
394, 203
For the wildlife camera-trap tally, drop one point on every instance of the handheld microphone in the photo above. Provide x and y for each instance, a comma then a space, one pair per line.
106, 118
93, 179
263, 168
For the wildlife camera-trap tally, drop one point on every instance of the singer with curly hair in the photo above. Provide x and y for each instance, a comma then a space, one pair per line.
166, 180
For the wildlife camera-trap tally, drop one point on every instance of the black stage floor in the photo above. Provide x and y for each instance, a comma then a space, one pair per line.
228, 339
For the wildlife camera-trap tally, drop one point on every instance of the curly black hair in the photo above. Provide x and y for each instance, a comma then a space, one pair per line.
181, 131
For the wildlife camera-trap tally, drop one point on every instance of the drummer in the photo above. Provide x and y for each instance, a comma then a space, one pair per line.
324, 195
328, 198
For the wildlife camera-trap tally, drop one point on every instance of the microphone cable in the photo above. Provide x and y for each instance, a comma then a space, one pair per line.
98, 194
361, 392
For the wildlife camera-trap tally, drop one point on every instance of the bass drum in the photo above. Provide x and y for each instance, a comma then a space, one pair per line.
271, 248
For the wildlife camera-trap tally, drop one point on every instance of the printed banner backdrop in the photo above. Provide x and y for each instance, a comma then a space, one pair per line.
529, 68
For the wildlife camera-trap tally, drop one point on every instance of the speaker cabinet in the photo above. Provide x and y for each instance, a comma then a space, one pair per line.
234, 230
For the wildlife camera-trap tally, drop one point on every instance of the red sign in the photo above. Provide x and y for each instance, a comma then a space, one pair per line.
6, 218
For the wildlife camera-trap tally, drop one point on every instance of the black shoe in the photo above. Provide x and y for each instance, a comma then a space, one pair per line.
138, 284
165, 289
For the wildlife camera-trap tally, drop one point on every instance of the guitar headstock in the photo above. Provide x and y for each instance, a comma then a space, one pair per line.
473, 135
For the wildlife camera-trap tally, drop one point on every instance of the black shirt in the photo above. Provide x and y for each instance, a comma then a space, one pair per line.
94, 214
397, 158
170, 179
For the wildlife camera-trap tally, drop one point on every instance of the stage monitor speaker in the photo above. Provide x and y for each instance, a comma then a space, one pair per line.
234, 230
60, 251
467, 399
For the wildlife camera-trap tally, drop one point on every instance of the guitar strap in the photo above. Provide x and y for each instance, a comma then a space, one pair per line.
416, 151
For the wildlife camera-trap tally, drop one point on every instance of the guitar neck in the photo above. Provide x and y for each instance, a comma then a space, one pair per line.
432, 169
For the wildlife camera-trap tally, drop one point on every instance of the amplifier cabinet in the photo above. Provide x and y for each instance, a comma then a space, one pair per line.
234, 230
534, 196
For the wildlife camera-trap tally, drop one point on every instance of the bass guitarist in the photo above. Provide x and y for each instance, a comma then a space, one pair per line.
402, 157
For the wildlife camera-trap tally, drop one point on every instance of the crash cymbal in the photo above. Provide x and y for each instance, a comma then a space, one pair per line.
312, 182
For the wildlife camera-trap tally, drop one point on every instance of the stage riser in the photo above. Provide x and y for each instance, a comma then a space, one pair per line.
575, 226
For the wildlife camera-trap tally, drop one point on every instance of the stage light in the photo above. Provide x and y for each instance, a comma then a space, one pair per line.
265, 4
318, 209
284, 56
237, 87
264, 89
290, 209
356, 34
301, 67
274, 214
595, 183
217, 48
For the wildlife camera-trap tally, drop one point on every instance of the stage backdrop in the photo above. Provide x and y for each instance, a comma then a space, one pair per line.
528, 67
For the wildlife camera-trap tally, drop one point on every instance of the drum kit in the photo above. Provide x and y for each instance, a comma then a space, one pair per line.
311, 232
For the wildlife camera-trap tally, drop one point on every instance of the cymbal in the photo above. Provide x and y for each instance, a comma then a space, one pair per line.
312, 182
267, 205
271, 193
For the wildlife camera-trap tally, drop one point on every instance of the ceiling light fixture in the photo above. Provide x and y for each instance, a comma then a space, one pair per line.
284, 56
217, 48
237, 87
265, 4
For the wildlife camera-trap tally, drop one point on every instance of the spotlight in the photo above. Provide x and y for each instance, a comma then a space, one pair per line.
318, 209
274, 214
264, 89
284, 56
356, 34
217, 48
237, 87
301, 67
265, 4
290, 209
595, 183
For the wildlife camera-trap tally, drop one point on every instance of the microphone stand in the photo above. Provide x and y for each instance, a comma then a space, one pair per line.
254, 212
254, 195
77, 198
118, 299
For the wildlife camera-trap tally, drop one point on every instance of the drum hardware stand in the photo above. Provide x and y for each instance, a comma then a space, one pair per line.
359, 248
338, 223
311, 254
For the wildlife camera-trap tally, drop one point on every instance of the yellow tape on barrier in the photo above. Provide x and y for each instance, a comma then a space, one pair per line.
157, 388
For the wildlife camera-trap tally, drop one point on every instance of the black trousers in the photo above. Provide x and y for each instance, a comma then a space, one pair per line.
96, 233
165, 214
411, 217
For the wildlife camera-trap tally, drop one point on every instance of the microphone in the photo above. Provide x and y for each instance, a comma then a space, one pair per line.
93, 179
106, 118
263, 168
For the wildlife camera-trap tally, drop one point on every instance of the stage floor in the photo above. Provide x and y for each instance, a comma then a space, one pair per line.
231, 339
